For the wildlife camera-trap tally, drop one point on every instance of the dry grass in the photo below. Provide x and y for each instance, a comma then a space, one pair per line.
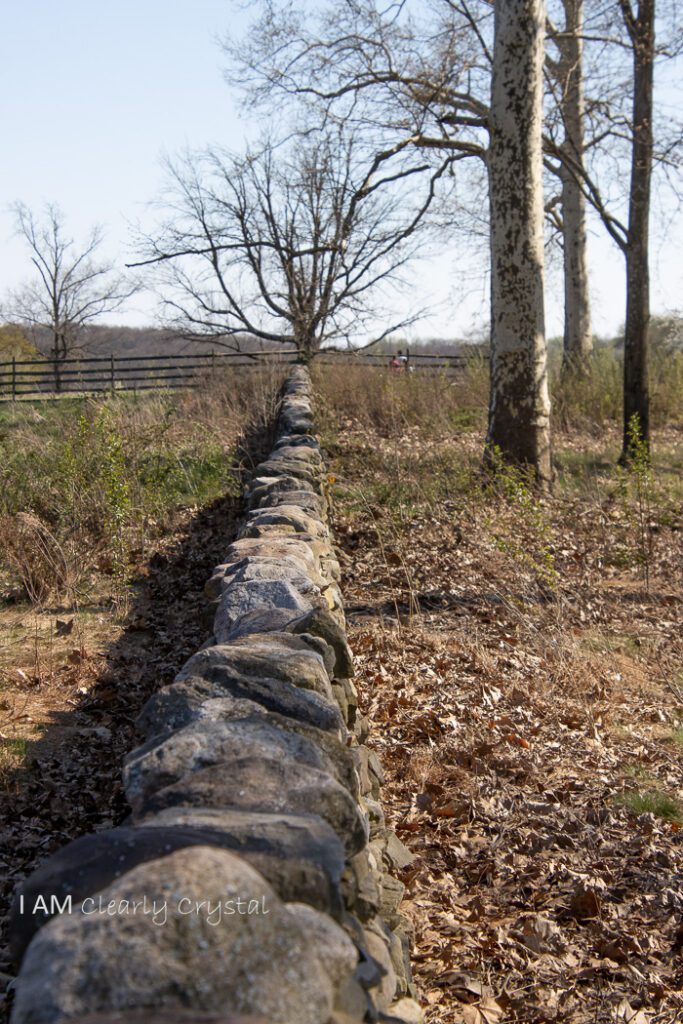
391, 403
87, 485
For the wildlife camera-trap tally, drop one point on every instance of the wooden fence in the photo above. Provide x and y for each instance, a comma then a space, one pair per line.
35, 378
44, 378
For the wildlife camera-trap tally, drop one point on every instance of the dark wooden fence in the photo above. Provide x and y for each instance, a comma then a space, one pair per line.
430, 361
36, 378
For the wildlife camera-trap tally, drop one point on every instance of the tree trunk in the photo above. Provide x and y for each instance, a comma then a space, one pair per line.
307, 347
636, 387
56, 359
519, 409
578, 337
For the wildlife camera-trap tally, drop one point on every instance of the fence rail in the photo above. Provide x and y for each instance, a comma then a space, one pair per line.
45, 378
36, 378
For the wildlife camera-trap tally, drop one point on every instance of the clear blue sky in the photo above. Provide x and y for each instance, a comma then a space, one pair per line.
94, 93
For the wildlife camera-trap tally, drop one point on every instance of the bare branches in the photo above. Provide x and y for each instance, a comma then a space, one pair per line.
70, 288
289, 245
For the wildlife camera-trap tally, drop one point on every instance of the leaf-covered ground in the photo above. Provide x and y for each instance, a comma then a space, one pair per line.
520, 662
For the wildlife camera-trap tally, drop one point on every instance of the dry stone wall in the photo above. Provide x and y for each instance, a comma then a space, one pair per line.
255, 879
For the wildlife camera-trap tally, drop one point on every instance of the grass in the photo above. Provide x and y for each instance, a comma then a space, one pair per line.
392, 404
90, 489
87, 485
587, 402
12, 755
655, 802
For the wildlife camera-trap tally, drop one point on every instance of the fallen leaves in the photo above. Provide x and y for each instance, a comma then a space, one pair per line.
505, 723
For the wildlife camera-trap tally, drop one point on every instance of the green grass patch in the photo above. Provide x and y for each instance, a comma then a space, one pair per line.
85, 482
13, 755
676, 736
656, 802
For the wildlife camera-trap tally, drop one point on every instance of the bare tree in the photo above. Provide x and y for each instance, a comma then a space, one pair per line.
519, 410
567, 87
428, 66
391, 68
627, 144
70, 287
292, 247
640, 25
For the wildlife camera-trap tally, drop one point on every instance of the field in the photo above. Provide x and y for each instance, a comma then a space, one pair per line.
519, 658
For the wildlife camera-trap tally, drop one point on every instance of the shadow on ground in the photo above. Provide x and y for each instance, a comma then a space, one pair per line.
71, 783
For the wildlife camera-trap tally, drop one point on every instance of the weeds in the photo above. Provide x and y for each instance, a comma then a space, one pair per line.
530, 542
393, 403
636, 495
87, 485
588, 400
655, 801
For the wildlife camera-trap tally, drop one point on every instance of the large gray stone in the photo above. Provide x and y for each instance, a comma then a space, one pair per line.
301, 576
320, 622
88, 864
259, 963
258, 595
283, 656
277, 621
269, 784
260, 567
259, 621
285, 518
228, 708
298, 453
296, 417
390, 852
360, 883
161, 763
262, 485
175, 706
285, 547
299, 855
278, 464
296, 441
307, 501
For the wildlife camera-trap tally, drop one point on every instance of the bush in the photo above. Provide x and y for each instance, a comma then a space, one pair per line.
590, 400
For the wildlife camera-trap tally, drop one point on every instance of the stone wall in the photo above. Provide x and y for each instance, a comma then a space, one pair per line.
253, 880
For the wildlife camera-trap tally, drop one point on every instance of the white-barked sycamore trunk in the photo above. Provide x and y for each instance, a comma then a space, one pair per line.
519, 410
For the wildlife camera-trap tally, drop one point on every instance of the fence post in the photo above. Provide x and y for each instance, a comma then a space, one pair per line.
112, 376
14, 378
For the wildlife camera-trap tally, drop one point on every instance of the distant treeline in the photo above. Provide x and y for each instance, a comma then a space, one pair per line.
666, 334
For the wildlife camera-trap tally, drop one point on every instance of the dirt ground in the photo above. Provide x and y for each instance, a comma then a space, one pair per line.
520, 663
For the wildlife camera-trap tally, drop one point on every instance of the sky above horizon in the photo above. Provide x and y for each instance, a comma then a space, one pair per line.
95, 95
